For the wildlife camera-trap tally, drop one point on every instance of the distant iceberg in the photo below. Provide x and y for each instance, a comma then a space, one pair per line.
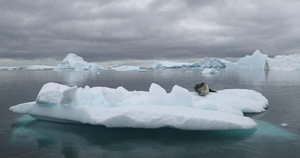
256, 61
74, 62
145, 109
174, 65
129, 68
39, 67
284, 62
261, 61
213, 63
30, 67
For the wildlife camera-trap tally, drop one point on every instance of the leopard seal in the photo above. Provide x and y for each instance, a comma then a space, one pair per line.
202, 89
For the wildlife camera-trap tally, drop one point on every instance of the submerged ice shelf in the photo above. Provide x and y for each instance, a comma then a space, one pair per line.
146, 109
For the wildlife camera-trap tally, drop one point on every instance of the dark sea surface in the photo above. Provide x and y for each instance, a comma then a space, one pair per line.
276, 136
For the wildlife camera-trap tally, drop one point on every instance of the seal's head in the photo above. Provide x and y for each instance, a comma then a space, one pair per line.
202, 89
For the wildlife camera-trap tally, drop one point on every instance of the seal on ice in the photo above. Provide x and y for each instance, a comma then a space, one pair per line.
202, 89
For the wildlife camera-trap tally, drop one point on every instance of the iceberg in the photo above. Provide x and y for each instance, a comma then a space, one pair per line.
118, 107
213, 63
256, 61
209, 71
128, 68
261, 61
225, 61
30, 67
74, 62
174, 65
284, 62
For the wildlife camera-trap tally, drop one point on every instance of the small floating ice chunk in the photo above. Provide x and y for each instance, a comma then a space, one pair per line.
284, 124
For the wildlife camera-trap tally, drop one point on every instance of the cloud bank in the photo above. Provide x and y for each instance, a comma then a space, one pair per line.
147, 29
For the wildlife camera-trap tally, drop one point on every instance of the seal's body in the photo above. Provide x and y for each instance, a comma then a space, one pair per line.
202, 89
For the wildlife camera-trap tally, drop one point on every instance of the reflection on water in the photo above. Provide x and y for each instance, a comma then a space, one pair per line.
73, 140
73, 78
262, 77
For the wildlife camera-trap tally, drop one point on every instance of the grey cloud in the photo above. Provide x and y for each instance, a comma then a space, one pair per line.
114, 30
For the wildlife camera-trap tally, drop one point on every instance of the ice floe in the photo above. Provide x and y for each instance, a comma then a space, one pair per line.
118, 107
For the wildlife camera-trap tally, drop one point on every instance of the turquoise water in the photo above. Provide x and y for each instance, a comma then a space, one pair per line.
23, 136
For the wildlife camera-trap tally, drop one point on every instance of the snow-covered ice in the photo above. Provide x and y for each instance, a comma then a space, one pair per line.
74, 62
118, 107
174, 65
209, 71
213, 63
128, 68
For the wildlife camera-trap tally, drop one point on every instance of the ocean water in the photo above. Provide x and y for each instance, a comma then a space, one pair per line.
277, 134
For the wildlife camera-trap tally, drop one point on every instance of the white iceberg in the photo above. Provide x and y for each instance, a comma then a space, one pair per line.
213, 63
210, 71
128, 68
145, 109
256, 61
284, 62
174, 65
74, 62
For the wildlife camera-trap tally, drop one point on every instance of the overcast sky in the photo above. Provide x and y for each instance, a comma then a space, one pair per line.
104, 30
